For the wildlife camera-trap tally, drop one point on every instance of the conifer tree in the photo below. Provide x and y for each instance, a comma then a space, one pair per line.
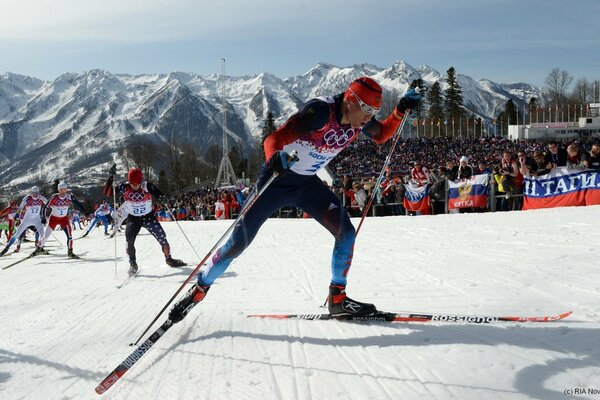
436, 105
454, 108
507, 117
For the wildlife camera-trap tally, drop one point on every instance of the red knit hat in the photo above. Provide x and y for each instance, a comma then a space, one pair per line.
367, 90
134, 176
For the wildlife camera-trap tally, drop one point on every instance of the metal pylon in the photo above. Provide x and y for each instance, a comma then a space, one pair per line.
226, 174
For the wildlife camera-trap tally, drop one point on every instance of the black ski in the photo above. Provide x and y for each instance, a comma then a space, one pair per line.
21, 260
134, 357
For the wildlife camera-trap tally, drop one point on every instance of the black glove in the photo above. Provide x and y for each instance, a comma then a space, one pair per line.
410, 101
280, 162
113, 170
43, 219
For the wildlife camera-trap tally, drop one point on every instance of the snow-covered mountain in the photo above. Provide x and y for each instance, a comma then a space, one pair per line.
73, 127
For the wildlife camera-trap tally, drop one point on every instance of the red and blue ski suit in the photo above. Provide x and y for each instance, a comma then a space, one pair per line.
316, 133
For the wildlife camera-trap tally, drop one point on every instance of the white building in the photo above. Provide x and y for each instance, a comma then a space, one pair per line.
585, 126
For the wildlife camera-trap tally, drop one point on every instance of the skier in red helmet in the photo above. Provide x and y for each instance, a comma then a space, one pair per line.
319, 131
137, 196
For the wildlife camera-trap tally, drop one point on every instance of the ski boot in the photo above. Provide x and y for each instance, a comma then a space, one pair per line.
173, 262
194, 296
341, 305
17, 249
133, 268
72, 255
40, 250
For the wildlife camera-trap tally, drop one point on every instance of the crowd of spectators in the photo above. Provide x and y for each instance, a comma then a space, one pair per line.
424, 161
364, 158
206, 203
434, 160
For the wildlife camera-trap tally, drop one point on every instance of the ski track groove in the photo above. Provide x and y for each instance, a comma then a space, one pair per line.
290, 353
360, 374
290, 346
271, 370
305, 367
419, 377
437, 375
364, 354
212, 370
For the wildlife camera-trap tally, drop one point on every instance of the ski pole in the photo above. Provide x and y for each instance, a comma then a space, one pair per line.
249, 203
115, 224
181, 229
55, 238
396, 137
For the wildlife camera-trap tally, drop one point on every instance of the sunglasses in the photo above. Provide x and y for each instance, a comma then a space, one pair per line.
365, 108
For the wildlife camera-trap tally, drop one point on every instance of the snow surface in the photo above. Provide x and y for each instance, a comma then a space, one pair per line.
65, 326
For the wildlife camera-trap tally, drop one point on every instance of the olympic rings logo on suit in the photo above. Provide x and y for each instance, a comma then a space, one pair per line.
136, 196
338, 137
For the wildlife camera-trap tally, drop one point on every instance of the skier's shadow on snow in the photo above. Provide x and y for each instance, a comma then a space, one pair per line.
4, 377
573, 347
7, 356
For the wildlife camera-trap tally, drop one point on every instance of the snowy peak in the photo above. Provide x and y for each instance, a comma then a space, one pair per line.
20, 81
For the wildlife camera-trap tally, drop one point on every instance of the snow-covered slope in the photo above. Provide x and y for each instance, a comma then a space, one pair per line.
74, 126
65, 326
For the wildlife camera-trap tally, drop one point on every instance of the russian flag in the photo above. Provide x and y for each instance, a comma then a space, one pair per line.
562, 187
472, 192
416, 198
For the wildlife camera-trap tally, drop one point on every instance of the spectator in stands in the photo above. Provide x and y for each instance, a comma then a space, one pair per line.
556, 155
420, 174
220, 209
360, 196
526, 163
451, 171
346, 188
437, 191
399, 193
540, 165
181, 213
576, 158
509, 170
482, 168
465, 171
519, 183
594, 158
388, 195
501, 194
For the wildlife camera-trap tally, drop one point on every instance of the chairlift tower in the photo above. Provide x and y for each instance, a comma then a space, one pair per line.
226, 175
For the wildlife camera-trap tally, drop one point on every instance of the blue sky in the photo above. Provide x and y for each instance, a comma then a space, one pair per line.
505, 41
